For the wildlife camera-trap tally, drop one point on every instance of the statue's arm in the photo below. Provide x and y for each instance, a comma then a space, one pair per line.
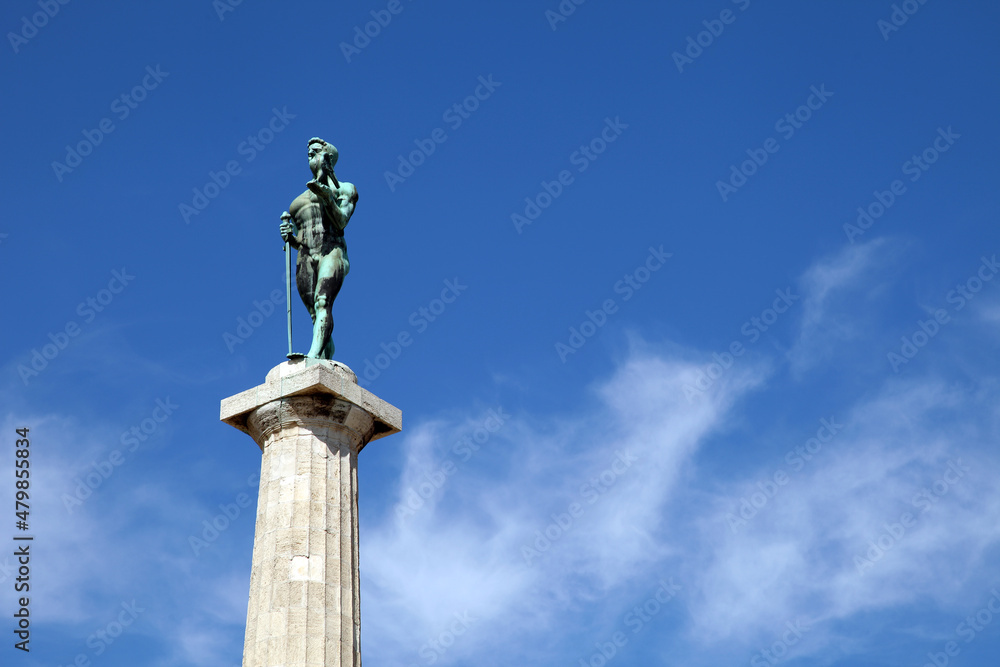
347, 198
338, 203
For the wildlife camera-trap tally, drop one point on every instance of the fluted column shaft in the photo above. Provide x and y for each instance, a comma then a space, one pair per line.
305, 598
304, 608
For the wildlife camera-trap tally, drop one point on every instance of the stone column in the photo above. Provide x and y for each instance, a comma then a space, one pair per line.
310, 419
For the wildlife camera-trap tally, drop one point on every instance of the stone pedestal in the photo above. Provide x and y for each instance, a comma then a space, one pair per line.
310, 419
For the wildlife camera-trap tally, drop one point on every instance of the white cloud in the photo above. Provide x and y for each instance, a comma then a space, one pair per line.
619, 461
621, 486
126, 542
796, 556
795, 560
839, 294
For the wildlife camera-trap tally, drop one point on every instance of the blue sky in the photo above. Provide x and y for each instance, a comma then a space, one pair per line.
718, 383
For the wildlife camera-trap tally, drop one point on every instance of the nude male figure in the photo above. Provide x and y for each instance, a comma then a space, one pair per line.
314, 225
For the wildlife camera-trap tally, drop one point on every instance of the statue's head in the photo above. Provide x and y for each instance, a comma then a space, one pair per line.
322, 155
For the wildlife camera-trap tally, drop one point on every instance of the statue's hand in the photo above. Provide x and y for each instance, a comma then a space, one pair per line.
286, 228
321, 190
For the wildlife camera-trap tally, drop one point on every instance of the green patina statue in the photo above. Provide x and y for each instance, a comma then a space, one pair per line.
314, 225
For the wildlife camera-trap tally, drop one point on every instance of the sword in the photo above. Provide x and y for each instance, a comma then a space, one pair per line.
285, 217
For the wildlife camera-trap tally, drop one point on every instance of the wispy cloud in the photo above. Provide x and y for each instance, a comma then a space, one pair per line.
552, 519
839, 295
808, 550
127, 542
797, 559
557, 524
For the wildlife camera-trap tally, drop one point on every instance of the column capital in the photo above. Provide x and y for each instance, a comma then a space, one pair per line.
301, 390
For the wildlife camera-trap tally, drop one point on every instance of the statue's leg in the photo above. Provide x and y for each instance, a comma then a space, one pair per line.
329, 279
305, 282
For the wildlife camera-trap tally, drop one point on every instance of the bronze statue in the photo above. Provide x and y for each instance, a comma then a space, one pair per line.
314, 225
